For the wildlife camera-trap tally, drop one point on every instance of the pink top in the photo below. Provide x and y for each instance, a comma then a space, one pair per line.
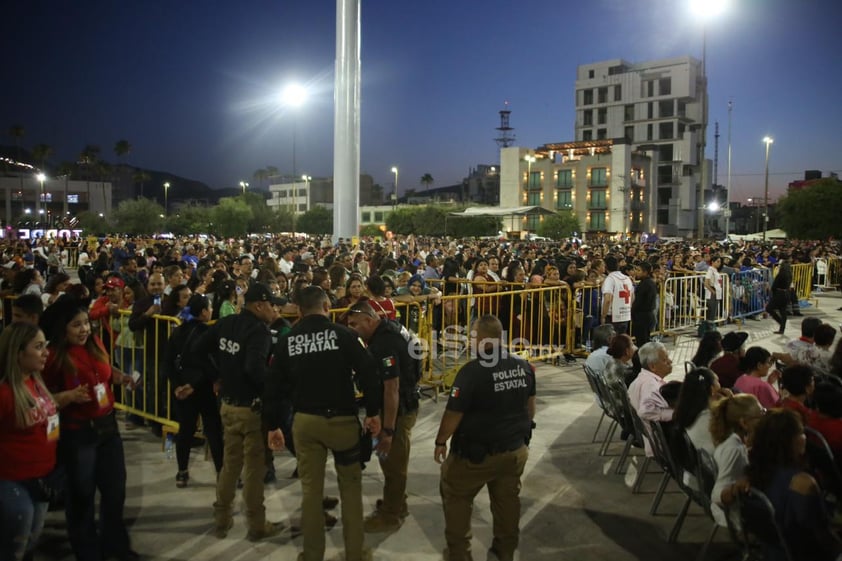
759, 388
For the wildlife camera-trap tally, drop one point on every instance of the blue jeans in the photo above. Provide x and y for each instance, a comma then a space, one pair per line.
93, 464
21, 521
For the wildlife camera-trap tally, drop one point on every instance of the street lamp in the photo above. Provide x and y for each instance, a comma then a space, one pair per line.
294, 96
244, 185
41, 178
704, 10
166, 197
395, 195
768, 140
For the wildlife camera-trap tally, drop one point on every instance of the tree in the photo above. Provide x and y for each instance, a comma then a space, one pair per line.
317, 220
429, 220
370, 231
813, 213
122, 148
427, 180
559, 225
40, 153
141, 216
192, 219
140, 176
231, 217
263, 218
92, 223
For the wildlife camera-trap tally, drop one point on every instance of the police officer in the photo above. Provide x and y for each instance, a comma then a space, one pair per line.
489, 415
316, 363
239, 345
396, 352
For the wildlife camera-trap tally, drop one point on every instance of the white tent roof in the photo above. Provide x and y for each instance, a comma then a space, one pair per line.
775, 234
502, 211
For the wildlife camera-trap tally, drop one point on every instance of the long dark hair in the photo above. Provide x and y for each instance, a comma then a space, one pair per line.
772, 447
694, 396
709, 347
753, 357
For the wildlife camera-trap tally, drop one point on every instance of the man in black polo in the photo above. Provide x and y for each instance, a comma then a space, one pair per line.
397, 355
239, 345
489, 415
316, 363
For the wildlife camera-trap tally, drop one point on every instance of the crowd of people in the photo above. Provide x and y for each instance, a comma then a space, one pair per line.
255, 316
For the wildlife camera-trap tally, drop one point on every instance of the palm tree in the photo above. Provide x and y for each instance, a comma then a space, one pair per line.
427, 180
40, 153
141, 177
121, 148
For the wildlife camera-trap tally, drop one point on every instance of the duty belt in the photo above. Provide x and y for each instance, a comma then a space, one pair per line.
233, 402
329, 412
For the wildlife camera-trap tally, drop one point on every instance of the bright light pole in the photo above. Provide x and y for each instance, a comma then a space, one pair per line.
244, 185
41, 179
728, 187
166, 197
395, 195
294, 96
768, 140
704, 10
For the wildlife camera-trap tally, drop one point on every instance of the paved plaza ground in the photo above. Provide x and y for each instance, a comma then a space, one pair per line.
574, 506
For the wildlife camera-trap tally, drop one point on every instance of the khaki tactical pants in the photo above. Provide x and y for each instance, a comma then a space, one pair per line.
461, 481
395, 465
244, 450
314, 435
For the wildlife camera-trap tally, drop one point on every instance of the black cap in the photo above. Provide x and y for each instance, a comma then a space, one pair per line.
259, 292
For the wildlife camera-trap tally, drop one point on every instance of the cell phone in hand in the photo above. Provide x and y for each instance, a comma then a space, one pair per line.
136, 376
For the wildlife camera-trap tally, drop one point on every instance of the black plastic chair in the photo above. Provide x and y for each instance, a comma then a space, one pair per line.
631, 424
823, 465
663, 455
592, 376
758, 525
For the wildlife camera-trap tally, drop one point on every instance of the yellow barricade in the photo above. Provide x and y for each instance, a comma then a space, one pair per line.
802, 279
833, 279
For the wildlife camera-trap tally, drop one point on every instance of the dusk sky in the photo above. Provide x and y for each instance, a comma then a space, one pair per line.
195, 86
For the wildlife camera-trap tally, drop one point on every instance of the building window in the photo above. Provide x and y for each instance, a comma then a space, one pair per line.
665, 108
366, 216
629, 133
587, 117
597, 221
282, 194
665, 86
665, 152
628, 113
302, 207
564, 199
565, 178
601, 134
601, 116
588, 97
664, 216
649, 131
650, 88
664, 196
302, 192
598, 177
598, 199
682, 108
649, 111
532, 222
587, 135
618, 92
681, 129
534, 180
665, 175
665, 131
534, 198
591, 73
602, 95
378, 216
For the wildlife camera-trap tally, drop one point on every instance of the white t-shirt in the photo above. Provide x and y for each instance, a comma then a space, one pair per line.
712, 276
621, 289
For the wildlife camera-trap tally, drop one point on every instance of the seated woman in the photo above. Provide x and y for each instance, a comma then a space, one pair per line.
756, 365
710, 347
799, 384
775, 469
699, 392
732, 422
827, 419
621, 350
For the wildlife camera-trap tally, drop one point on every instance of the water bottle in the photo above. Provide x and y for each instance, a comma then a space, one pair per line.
168, 447
588, 345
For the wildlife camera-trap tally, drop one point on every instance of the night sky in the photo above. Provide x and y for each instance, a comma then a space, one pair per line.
194, 85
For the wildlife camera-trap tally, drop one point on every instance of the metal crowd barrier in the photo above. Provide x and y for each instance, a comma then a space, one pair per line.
833, 279
684, 306
750, 292
802, 280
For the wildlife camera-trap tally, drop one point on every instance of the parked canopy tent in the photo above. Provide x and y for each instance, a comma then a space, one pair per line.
776, 234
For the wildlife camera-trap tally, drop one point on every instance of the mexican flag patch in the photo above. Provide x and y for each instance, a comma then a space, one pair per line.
454, 392
389, 361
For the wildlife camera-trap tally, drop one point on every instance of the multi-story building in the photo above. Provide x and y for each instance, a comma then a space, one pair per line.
54, 200
657, 106
606, 183
302, 195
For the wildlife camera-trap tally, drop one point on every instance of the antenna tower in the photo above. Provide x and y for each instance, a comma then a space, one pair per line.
506, 137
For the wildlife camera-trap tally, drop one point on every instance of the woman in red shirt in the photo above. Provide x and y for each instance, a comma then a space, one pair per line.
29, 430
91, 447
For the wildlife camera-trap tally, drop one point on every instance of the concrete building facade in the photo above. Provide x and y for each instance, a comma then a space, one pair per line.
23, 196
605, 183
656, 106
300, 195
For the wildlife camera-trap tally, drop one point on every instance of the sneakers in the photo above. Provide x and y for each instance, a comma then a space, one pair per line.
378, 522
221, 532
270, 529
404, 510
181, 479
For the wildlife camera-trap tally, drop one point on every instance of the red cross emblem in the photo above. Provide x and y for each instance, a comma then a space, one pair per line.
625, 294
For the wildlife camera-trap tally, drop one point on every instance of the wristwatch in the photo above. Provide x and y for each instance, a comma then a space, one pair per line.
388, 432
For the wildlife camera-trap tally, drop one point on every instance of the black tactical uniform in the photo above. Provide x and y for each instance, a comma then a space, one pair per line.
316, 363
397, 353
488, 448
